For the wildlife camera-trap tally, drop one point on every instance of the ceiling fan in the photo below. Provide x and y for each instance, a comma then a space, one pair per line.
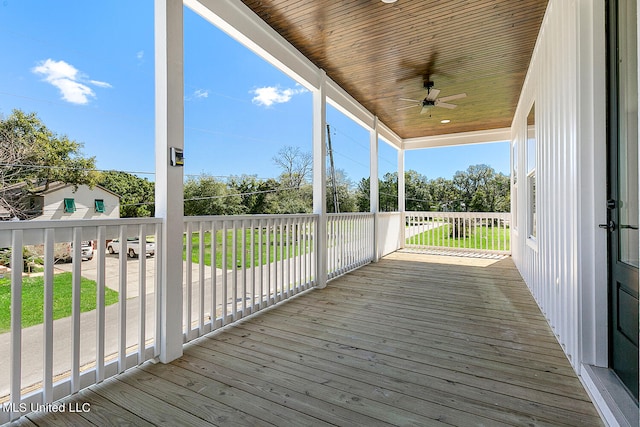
432, 100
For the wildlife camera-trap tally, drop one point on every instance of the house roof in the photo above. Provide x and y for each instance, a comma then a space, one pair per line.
58, 185
381, 53
53, 187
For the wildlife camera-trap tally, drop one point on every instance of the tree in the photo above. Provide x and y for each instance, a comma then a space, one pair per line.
388, 192
482, 190
363, 189
296, 166
292, 200
502, 186
254, 193
444, 196
205, 195
343, 186
31, 155
137, 194
416, 190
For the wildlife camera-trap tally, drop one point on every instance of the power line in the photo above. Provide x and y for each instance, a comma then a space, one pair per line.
32, 166
242, 194
337, 130
359, 144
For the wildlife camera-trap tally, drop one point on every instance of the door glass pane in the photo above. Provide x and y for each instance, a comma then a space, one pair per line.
628, 137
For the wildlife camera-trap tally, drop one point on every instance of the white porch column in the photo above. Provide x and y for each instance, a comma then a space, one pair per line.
374, 200
401, 197
169, 179
320, 178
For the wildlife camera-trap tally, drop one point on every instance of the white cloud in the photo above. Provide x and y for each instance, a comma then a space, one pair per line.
201, 93
197, 94
269, 95
74, 92
73, 85
140, 55
54, 70
99, 83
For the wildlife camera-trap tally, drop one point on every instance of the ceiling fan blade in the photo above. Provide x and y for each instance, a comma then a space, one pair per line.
452, 97
445, 105
425, 109
406, 107
433, 94
410, 100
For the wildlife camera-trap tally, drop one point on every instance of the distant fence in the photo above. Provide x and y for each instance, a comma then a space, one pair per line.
479, 232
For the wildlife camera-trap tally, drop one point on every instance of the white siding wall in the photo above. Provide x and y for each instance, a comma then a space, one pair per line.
565, 265
84, 199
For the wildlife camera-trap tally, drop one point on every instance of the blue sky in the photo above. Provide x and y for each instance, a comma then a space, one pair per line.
86, 69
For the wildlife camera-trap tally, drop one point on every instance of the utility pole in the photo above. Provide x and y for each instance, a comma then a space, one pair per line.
336, 206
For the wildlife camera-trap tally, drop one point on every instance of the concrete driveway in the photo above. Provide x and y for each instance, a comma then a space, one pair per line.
112, 273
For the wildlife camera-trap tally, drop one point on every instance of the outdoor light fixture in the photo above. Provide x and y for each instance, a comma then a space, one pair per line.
389, 1
445, 121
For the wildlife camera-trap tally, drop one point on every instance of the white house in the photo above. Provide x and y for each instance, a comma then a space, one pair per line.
64, 201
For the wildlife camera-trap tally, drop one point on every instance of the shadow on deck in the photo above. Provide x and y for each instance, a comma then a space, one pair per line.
411, 340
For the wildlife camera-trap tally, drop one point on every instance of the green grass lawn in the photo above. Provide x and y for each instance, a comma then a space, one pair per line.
491, 238
293, 249
33, 299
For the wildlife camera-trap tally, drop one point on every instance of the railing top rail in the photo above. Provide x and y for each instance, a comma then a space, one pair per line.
63, 223
389, 213
246, 217
343, 214
460, 214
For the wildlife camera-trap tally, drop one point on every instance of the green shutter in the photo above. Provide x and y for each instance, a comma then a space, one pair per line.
69, 205
100, 205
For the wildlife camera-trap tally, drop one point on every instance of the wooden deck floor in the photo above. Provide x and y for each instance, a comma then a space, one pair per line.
412, 340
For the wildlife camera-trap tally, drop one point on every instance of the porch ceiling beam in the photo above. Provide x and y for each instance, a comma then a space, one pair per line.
476, 137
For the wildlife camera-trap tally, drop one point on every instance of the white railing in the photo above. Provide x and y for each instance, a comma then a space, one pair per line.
479, 232
259, 260
97, 339
350, 242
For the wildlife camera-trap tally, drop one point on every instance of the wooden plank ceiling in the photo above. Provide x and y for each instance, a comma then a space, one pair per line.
382, 52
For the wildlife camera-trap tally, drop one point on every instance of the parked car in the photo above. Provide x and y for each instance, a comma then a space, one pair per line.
133, 247
86, 250
64, 251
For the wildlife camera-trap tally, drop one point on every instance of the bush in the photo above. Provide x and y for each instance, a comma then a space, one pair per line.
5, 256
31, 261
